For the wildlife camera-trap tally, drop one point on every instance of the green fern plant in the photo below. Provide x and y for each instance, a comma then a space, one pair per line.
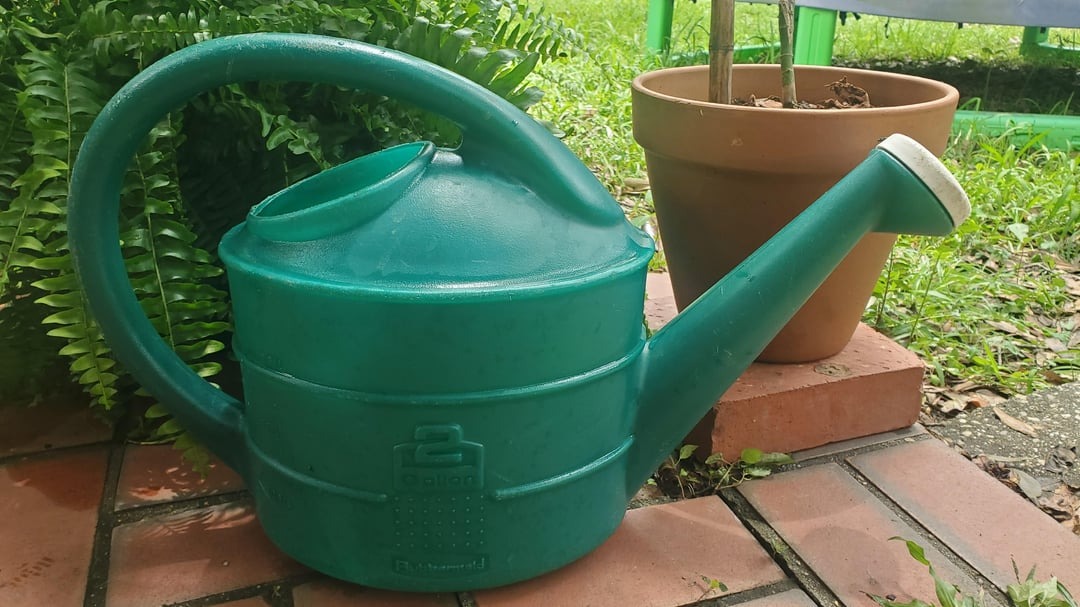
205, 165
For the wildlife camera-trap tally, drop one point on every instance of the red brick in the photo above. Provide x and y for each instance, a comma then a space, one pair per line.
155, 473
48, 514
190, 554
841, 530
49, 426
334, 593
660, 556
874, 385
791, 598
979, 518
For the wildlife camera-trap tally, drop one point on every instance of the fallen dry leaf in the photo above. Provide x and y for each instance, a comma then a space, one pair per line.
1055, 345
1064, 505
1007, 327
1044, 358
1072, 284
1060, 459
987, 398
953, 405
1061, 264
847, 94
635, 185
1016, 424
964, 386
1041, 319
952, 401
1053, 377
993, 468
1028, 485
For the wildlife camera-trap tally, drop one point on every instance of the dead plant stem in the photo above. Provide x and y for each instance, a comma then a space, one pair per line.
721, 50
787, 53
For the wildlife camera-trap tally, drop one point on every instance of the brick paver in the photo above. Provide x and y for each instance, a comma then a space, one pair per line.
155, 473
332, 593
872, 386
841, 530
49, 426
49, 514
978, 517
661, 556
191, 554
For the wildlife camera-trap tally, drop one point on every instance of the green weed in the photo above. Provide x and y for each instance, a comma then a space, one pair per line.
995, 303
684, 476
1024, 593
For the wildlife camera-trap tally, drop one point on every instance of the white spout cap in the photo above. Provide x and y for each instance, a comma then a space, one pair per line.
929, 169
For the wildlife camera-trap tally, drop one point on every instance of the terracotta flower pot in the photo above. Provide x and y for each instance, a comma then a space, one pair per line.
725, 178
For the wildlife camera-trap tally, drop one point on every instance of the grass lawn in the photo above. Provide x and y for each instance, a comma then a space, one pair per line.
996, 305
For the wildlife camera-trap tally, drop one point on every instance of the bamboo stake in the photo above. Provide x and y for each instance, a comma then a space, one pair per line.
721, 50
787, 53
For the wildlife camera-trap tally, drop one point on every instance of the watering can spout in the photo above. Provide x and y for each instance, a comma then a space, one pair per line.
900, 188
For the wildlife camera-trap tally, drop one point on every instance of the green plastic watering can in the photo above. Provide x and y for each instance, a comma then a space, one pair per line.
447, 382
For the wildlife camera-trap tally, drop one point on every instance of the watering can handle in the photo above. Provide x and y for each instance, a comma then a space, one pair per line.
493, 132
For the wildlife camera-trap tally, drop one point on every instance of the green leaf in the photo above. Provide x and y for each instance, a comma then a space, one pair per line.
914, 549
757, 471
507, 82
714, 459
751, 456
776, 459
156, 411
686, 451
1019, 230
946, 592
169, 427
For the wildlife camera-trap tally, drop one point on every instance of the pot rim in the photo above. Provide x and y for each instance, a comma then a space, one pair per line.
948, 93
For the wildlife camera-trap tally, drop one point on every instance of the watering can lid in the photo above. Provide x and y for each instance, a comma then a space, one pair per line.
416, 219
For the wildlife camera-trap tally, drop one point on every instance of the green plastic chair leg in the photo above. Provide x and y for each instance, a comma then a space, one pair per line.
658, 25
815, 29
1036, 44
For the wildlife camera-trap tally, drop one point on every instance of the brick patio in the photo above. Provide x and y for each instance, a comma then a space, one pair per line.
87, 521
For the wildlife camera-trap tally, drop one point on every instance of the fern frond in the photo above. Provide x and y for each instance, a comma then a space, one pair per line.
29, 362
92, 363
166, 270
58, 101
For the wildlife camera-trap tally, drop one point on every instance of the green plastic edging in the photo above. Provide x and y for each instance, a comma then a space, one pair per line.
1059, 132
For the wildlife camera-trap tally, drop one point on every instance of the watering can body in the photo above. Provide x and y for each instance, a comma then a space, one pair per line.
435, 381
447, 381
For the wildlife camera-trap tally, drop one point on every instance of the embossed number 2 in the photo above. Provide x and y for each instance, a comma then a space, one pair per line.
442, 444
